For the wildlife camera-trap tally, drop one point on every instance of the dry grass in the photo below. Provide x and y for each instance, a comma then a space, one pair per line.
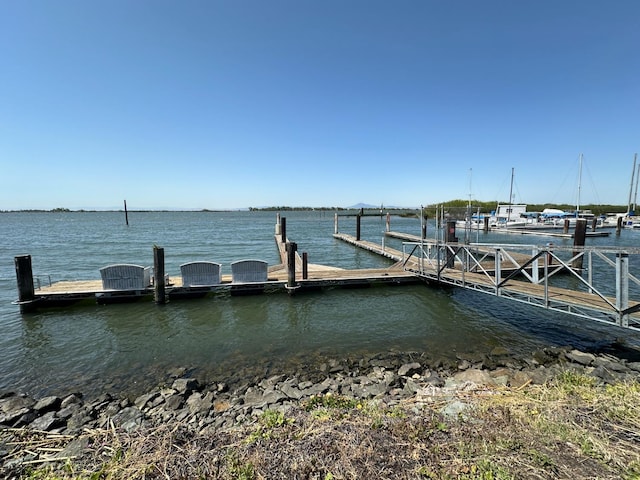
569, 428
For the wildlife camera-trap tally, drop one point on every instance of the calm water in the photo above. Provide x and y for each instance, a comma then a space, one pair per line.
128, 348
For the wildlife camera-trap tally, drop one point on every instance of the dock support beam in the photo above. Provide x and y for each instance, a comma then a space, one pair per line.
159, 293
26, 291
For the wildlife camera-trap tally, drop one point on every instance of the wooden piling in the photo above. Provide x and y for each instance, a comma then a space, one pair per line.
158, 268
291, 248
388, 222
618, 225
358, 218
335, 223
566, 226
26, 290
305, 265
579, 237
283, 229
126, 213
486, 224
594, 223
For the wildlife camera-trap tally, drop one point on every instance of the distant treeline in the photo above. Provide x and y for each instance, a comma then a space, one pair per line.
429, 210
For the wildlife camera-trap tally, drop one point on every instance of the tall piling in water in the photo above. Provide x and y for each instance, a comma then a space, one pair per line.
159, 292
579, 237
26, 290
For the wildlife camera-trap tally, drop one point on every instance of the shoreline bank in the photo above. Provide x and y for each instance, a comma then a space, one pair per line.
199, 410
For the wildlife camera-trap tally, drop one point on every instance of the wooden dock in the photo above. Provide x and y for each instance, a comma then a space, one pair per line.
288, 276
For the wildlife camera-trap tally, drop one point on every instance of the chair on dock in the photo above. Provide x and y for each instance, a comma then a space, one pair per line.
125, 276
196, 274
247, 271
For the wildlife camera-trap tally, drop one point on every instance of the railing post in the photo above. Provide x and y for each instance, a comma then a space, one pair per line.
622, 287
497, 271
547, 261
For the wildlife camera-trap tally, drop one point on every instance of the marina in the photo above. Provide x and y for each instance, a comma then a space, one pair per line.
502, 270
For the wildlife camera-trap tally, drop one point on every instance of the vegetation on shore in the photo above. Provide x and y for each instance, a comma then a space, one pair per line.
429, 210
570, 427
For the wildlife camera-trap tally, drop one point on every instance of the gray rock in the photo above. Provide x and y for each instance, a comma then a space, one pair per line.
185, 385
46, 422
47, 404
455, 409
410, 387
15, 402
409, 369
612, 364
579, 357
174, 402
143, 400
12, 418
128, 419
479, 377
73, 398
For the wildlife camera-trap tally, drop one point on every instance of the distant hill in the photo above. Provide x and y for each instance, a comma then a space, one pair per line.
363, 205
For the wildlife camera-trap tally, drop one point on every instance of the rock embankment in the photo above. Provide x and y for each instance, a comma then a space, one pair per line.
203, 406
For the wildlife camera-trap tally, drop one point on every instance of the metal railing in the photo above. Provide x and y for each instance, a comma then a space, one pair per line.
589, 282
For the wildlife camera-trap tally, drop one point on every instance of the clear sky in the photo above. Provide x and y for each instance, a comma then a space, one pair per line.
235, 103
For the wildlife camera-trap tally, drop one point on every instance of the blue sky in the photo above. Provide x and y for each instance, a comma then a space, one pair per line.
239, 103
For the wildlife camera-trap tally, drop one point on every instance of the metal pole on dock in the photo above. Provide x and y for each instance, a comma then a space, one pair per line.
158, 269
24, 275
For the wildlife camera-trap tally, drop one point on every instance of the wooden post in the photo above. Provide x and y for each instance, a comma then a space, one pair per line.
24, 275
305, 265
388, 222
566, 226
578, 241
358, 217
278, 223
594, 223
486, 224
335, 223
283, 229
159, 293
291, 247
126, 213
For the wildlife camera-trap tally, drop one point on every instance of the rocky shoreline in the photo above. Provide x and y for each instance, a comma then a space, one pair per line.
202, 407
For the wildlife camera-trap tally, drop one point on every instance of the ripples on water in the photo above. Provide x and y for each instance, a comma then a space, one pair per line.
127, 348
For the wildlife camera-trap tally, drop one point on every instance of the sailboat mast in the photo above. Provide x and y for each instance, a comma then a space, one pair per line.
635, 197
633, 172
579, 187
510, 196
